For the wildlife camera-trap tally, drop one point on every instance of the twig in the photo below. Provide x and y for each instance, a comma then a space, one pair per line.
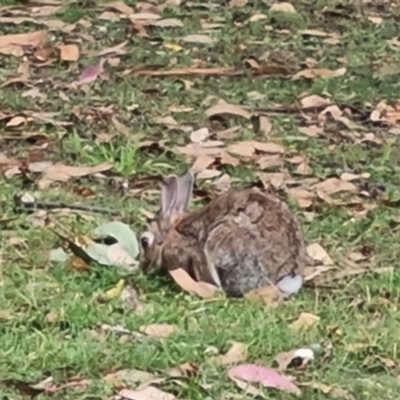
37, 205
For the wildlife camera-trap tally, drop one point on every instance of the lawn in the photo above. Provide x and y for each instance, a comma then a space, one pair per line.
139, 89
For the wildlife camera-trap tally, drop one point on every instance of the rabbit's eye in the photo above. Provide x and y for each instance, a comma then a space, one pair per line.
146, 240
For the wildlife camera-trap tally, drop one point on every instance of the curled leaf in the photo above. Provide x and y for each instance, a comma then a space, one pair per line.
266, 377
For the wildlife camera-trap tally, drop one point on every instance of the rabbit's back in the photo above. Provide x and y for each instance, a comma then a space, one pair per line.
250, 238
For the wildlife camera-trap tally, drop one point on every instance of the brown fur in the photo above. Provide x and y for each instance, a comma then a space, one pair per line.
246, 238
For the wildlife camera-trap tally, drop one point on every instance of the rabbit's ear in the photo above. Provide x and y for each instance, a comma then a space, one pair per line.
184, 193
169, 192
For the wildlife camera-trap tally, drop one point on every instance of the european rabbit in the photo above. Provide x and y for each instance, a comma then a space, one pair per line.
242, 240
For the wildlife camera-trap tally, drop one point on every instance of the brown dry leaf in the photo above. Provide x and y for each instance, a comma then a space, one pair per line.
120, 6
201, 289
13, 44
312, 73
269, 295
7, 163
120, 127
144, 16
248, 148
348, 177
237, 353
311, 272
275, 179
184, 370
332, 391
200, 39
77, 264
314, 101
168, 23
147, 393
129, 375
317, 253
223, 183
303, 196
283, 7
61, 172
23, 74
114, 50
311, 131
265, 126
158, 330
304, 168
52, 316
305, 321
238, 3
16, 121
69, 52
334, 185
202, 163
208, 174
200, 135
225, 108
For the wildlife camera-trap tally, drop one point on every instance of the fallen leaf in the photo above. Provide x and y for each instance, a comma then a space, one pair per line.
334, 185
311, 273
172, 47
208, 174
237, 353
317, 253
238, 3
265, 126
311, 131
184, 370
266, 377
202, 162
132, 376
348, 177
69, 52
147, 393
201, 39
282, 7
375, 20
304, 321
52, 316
77, 264
90, 74
115, 291
312, 73
200, 135
16, 121
294, 359
158, 330
269, 295
144, 16
314, 101
332, 391
119, 6
201, 289
223, 183
224, 108
14, 44
61, 172
168, 23
117, 50
248, 148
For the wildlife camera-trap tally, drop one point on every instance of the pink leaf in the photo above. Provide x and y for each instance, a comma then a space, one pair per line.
90, 74
265, 376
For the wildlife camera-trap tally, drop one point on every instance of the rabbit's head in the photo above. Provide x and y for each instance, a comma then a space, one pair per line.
176, 193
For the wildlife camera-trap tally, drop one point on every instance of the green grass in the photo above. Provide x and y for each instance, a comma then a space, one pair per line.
358, 310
